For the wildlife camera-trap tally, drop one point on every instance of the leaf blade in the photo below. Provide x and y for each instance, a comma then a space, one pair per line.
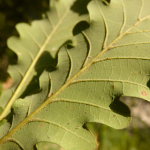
35, 43
110, 73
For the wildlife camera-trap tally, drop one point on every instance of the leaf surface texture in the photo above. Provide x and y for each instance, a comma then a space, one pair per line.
38, 45
110, 60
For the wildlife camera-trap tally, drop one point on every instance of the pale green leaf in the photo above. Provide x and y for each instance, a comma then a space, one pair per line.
60, 125
38, 45
110, 60
47, 146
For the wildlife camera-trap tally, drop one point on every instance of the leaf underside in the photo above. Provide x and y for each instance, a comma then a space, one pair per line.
110, 60
38, 45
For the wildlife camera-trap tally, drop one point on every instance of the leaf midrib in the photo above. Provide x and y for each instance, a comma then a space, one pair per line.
49, 100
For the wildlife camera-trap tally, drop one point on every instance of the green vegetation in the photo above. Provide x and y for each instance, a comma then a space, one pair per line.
126, 139
135, 137
71, 68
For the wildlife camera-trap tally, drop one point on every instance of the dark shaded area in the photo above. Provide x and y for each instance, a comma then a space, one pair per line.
44, 63
106, 2
3, 66
119, 107
85, 127
78, 29
148, 84
11, 13
83, 6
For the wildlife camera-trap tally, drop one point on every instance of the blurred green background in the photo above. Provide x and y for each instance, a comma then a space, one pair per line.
135, 137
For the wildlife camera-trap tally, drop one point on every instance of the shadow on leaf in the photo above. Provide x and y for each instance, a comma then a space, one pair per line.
119, 107
45, 61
